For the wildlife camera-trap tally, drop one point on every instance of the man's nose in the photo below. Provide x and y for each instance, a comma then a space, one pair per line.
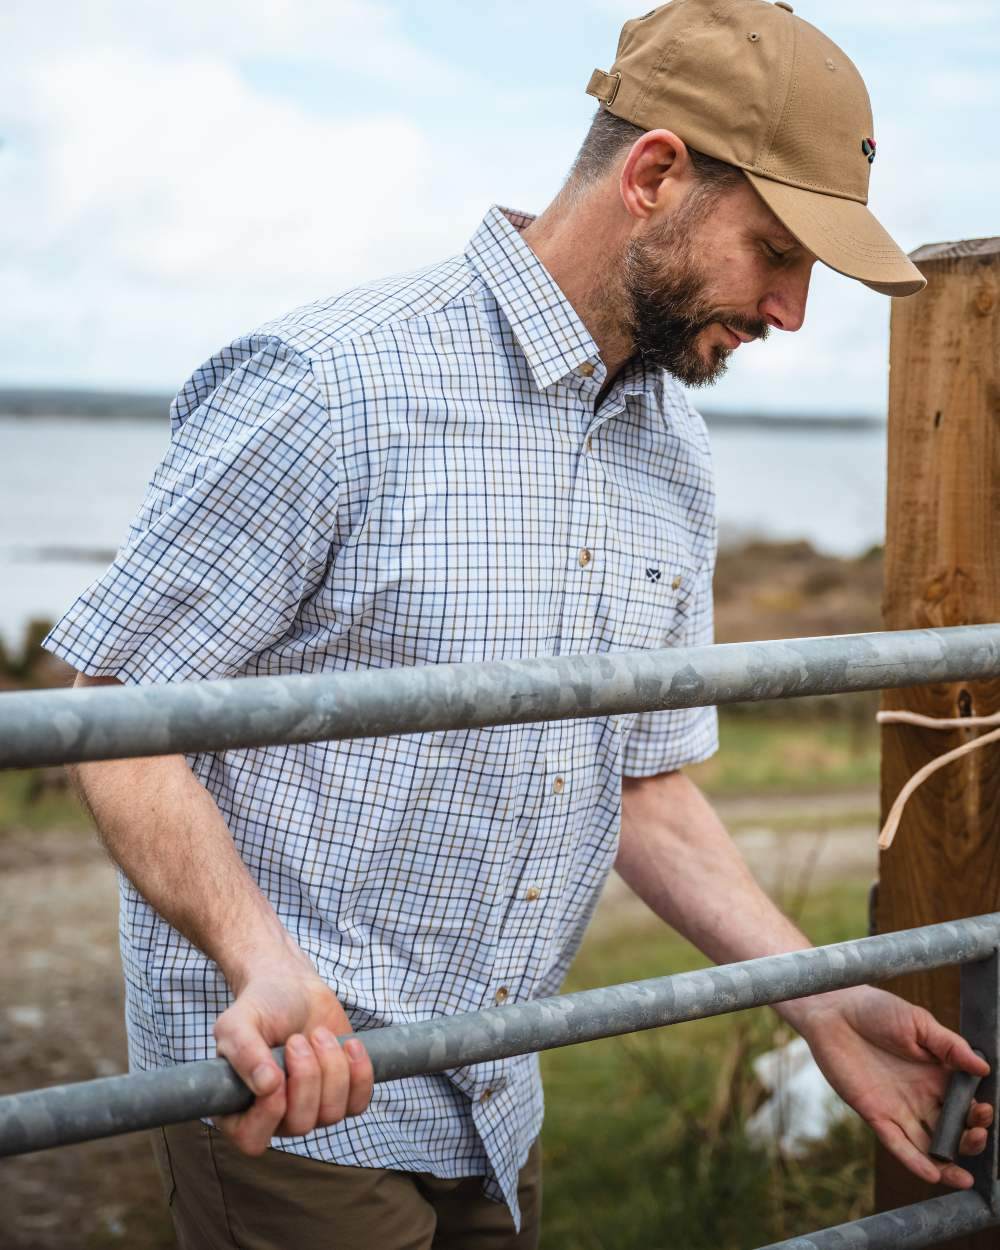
784, 307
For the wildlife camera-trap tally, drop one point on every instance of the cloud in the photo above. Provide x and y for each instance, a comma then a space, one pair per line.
164, 190
889, 15
180, 172
956, 88
172, 204
159, 200
363, 36
908, 15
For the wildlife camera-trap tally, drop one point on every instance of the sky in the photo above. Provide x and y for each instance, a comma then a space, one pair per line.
174, 174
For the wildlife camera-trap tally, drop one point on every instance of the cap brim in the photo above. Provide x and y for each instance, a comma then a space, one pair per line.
844, 234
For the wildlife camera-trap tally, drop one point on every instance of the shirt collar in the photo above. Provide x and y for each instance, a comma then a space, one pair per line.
545, 324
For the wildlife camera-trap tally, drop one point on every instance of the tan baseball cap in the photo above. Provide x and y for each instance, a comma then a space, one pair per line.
752, 84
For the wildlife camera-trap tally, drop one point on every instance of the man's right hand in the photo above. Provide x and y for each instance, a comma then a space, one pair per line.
166, 833
284, 1001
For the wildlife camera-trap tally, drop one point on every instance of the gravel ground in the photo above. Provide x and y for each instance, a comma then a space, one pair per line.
61, 1020
61, 1002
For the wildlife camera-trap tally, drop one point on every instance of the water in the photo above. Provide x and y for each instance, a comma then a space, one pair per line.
827, 486
70, 485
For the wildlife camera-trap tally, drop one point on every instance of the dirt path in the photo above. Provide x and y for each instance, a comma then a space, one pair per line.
61, 1002
61, 1020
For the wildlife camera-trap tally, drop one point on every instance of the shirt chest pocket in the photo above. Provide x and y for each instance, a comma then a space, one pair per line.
655, 552
651, 570
651, 594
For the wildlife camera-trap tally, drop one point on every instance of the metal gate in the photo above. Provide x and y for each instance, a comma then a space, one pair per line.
51, 727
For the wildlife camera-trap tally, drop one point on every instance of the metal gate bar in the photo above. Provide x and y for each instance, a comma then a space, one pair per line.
906, 1228
121, 1104
67, 726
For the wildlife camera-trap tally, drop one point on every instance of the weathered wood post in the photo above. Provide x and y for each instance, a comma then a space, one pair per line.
942, 567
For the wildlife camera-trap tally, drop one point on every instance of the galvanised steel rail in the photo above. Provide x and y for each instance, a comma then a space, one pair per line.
921, 1224
122, 1104
53, 727
66, 726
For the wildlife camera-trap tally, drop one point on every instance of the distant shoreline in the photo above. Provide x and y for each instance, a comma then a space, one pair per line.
39, 404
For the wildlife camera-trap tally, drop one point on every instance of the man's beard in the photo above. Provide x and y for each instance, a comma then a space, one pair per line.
666, 306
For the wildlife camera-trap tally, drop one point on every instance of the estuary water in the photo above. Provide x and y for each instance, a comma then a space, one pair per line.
70, 485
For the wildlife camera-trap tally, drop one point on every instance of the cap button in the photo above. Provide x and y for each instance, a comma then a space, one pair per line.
780, 4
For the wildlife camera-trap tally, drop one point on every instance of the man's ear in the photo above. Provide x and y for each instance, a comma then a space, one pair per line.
655, 175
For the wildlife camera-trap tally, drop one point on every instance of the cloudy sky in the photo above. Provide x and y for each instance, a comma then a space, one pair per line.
172, 174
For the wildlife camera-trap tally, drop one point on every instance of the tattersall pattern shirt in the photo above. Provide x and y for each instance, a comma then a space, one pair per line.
413, 472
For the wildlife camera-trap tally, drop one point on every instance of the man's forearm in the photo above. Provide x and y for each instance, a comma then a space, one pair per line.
164, 830
167, 834
678, 857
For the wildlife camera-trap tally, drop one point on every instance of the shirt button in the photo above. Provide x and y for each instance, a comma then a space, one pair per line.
585, 556
585, 370
501, 996
559, 785
675, 584
486, 1095
531, 893
590, 443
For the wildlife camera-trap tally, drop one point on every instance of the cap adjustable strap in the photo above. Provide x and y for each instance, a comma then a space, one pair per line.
604, 87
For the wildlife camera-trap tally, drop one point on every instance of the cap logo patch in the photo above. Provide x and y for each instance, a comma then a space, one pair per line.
868, 147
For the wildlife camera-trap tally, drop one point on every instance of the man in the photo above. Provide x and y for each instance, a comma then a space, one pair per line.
490, 458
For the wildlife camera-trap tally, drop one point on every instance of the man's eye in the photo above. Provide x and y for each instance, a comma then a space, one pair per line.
773, 252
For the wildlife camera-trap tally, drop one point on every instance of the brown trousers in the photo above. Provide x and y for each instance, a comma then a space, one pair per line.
221, 1199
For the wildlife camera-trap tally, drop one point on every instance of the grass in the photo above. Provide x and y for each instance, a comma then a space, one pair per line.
644, 1135
792, 753
39, 799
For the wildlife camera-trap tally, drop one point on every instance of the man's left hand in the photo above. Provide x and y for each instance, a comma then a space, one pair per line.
891, 1062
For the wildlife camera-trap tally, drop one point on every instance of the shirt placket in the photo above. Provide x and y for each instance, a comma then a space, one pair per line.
586, 557
585, 572
514, 967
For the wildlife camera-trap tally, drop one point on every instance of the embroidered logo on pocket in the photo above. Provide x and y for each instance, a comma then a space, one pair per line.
653, 574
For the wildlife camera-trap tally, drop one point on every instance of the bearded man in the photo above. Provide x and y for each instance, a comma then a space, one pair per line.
488, 459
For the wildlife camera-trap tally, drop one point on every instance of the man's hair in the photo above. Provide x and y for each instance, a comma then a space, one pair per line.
607, 139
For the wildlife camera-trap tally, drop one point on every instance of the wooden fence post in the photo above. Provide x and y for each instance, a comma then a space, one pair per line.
942, 567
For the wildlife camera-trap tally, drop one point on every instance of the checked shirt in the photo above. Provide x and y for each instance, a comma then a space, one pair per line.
413, 472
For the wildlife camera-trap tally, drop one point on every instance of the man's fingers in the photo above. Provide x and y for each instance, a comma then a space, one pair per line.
952, 1049
238, 1041
250, 1055
251, 1131
917, 1135
362, 1076
956, 1177
304, 1086
974, 1138
898, 1144
321, 1082
973, 1142
335, 1076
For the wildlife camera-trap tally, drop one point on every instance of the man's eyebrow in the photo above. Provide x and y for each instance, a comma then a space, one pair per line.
780, 235
776, 236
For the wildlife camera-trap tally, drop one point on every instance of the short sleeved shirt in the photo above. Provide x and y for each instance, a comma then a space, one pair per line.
416, 471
